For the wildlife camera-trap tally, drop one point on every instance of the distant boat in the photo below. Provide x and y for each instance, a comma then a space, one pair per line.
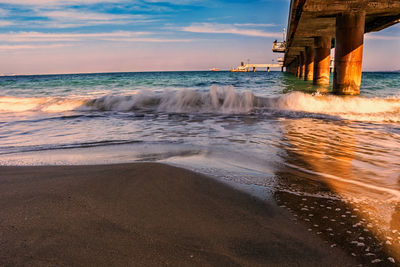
214, 69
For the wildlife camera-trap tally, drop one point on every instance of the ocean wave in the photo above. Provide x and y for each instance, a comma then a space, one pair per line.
355, 108
221, 100
218, 100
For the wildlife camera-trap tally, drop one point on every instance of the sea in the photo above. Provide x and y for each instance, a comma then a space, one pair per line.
332, 161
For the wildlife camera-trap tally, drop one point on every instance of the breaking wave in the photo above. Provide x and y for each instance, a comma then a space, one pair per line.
223, 100
349, 107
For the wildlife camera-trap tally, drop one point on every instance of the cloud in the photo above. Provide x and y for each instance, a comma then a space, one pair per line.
30, 38
149, 40
73, 18
255, 24
54, 2
24, 47
381, 37
88, 16
180, 2
71, 14
228, 29
19, 37
5, 23
88, 2
3, 12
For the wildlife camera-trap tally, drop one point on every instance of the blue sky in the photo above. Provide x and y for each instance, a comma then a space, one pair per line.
70, 36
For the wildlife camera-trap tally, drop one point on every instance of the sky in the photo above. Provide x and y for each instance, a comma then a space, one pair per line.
81, 36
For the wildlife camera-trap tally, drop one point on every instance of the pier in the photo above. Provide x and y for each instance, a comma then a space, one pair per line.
316, 26
253, 67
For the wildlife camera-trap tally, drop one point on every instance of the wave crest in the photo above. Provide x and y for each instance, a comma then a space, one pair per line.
224, 100
218, 99
345, 107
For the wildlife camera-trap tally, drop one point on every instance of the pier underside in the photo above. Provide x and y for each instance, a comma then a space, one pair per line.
316, 26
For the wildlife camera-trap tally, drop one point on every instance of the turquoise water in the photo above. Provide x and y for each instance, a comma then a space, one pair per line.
380, 84
190, 108
120, 83
245, 113
269, 131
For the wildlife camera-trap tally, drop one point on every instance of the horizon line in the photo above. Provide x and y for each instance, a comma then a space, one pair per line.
150, 71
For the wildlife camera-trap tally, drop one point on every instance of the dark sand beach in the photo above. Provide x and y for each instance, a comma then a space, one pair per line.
145, 214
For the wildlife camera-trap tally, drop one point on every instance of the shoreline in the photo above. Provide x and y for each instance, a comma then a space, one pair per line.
145, 214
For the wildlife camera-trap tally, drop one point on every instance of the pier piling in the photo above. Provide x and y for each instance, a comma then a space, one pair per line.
348, 53
293, 67
322, 59
302, 65
309, 66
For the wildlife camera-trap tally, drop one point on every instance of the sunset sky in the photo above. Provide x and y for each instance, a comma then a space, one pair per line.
74, 36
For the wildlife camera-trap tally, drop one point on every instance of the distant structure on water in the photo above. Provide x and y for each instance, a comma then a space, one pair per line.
253, 67
276, 47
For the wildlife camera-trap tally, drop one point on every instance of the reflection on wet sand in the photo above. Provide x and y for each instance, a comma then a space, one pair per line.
350, 205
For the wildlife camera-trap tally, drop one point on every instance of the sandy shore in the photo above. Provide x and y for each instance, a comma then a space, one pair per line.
145, 215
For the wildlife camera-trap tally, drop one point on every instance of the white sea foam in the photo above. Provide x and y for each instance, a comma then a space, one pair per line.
349, 107
219, 99
224, 100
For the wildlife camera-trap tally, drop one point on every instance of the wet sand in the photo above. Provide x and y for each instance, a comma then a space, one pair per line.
145, 214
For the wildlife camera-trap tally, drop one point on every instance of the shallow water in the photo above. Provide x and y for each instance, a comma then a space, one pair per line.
269, 130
